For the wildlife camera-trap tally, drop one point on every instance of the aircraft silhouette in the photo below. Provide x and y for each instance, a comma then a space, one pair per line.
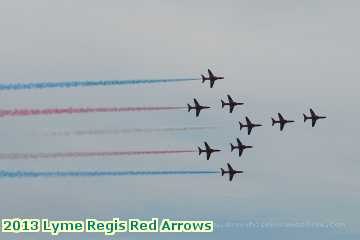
282, 121
208, 150
212, 78
197, 107
313, 117
249, 125
231, 172
231, 103
239, 146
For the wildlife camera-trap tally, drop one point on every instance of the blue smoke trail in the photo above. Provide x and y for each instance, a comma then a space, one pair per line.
86, 83
33, 174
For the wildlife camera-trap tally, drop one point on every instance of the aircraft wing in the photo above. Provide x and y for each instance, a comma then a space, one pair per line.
211, 83
231, 106
313, 121
240, 151
281, 118
198, 111
231, 172
211, 75
196, 102
281, 126
231, 176
230, 99
249, 130
230, 168
208, 150
312, 112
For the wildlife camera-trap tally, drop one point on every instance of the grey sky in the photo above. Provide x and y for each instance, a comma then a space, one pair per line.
277, 55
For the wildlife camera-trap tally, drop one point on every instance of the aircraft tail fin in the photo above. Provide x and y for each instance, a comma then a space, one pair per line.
189, 107
203, 78
200, 151
305, 117
273, 121
222, 104
241, 125
232, 147
222, 172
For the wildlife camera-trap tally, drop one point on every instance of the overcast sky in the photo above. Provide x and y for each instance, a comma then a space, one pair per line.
276, 56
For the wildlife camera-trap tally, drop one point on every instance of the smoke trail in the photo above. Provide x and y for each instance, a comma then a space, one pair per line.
32, 174
56, 111
87, 83
123, 131
16, 156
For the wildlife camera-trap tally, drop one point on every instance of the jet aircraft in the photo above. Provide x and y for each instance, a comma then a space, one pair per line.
282, 121
197, 107
241, 147
212, 78
208, 150
231, 172
313, 117
249, 125
231, 103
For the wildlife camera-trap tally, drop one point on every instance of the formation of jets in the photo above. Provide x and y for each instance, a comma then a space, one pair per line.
239, 146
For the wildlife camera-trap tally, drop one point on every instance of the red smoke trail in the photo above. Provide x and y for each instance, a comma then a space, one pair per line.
124, 131
16, 156
52, 111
